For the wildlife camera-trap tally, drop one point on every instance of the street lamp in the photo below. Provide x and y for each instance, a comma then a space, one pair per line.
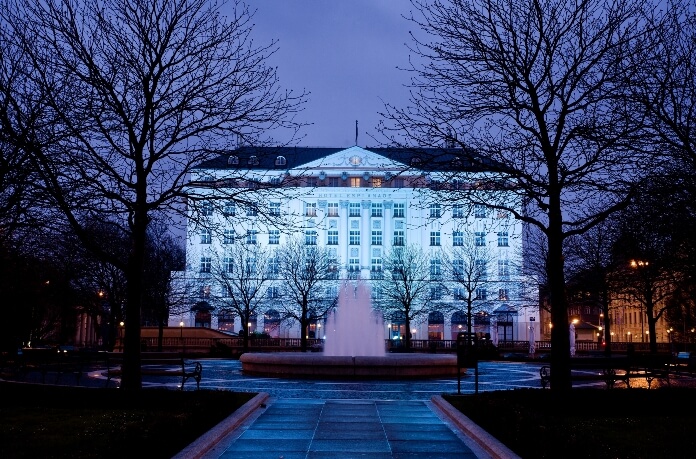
630, 337
120, 336
181, 335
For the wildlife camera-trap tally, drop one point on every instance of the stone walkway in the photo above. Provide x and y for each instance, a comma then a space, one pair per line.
319, 429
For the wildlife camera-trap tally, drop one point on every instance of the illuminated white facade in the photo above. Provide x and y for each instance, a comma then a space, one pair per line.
359, 203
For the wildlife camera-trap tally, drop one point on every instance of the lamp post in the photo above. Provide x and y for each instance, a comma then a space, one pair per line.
120, 336
181, 336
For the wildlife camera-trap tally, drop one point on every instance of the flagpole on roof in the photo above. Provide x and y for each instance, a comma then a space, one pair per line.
356, 132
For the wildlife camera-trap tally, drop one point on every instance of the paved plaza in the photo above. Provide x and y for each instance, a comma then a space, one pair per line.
316, 419
227, 374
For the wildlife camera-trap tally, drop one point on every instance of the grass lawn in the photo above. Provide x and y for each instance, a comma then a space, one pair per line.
69, 422
589, 423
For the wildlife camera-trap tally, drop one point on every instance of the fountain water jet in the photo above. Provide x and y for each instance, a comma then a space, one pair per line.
354, 328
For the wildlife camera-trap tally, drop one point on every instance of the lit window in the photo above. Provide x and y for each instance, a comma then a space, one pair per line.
310, 209
435, 211
206, 264
502, 239
332, 209
480, 239
354, 209
399, 238
503, 294
503, 269
458, 238
206, 208
274, 208
229, 208
481, 269
228, 236
457, 211
399, 209
435, 269
458, 267
274, 237
434, 238
354, 237
376, 182
376, 209
332, 237
206, 237
228, 264
355, 182
376, 237
310, 237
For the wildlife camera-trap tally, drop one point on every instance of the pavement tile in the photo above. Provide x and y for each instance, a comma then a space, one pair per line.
229, 454
343, 426
350, 446
346, 455
351, 434
278, 434
404, 446
262, 445
400, 427
424, 455
422, 435
406, 419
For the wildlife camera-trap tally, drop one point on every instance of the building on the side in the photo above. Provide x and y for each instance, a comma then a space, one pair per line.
360, 204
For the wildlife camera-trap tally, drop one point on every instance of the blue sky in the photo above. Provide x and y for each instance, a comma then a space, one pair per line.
346, 53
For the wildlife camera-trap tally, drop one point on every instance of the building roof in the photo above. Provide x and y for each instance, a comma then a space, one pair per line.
284, 158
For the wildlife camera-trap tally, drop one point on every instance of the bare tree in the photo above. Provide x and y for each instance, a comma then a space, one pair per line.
403, 292
244, 272
164, 254
538, 88
308, 275
143, 91
469, 267
591, 266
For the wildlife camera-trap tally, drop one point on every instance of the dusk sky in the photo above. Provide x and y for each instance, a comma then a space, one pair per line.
346, 53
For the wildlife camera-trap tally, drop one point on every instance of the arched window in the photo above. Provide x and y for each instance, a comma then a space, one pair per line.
436, 325
271, 323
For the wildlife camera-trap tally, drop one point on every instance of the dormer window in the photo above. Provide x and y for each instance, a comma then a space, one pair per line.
253, 160
281, 161
233, 160
415, 161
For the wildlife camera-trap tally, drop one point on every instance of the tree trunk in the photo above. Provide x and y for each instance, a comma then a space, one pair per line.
560, 334
131, 378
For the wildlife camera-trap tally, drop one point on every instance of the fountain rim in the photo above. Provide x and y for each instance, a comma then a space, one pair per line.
317, 365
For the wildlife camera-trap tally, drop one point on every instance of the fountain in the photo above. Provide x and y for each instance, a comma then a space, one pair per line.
354, 328
354, 348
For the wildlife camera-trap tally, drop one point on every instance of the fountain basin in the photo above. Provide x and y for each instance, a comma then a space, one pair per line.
312, 365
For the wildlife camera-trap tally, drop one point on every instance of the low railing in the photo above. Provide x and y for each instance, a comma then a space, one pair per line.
209, 345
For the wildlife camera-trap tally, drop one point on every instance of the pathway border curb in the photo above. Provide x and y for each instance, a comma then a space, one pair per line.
203, 444
486, 441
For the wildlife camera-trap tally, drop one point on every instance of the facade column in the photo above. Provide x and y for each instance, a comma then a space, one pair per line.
343, 233
321, 217
365, 238
388, 235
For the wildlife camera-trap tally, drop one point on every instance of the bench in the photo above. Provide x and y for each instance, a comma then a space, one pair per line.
54, 362
164, 364
685, 361
612, 369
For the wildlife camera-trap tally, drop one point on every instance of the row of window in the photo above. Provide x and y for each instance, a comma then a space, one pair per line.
229, 236
436, 293
481, 267
354, 210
